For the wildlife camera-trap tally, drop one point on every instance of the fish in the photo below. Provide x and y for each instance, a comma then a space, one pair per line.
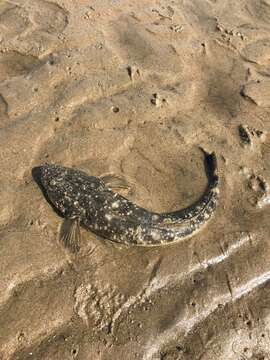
89, 202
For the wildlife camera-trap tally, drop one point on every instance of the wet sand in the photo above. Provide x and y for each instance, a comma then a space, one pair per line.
133, 89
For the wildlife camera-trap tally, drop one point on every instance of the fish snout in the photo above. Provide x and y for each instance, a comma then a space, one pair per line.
47, 175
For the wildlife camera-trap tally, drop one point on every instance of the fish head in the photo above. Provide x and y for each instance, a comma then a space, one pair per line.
53, 177
60, 187
67, 189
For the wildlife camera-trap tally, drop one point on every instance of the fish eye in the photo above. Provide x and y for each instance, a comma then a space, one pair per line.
53, 182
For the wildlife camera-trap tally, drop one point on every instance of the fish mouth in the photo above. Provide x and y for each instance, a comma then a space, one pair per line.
41, 175
37, 174
38, 177
44, 173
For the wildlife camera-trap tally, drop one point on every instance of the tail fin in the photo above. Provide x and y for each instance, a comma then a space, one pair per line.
210, 164
208, 199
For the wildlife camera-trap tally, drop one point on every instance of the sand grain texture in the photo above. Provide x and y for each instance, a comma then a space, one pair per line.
133, 88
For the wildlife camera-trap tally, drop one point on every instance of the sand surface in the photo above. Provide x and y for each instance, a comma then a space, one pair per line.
133, 89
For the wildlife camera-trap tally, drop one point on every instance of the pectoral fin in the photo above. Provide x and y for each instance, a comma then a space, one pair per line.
70, 234
115, 181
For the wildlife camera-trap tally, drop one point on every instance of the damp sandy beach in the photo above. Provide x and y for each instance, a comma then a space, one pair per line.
134, 89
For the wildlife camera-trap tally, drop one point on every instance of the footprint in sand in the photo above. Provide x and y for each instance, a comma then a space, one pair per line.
49, 17
257, 52
250, 136
259, 189
31, 28
259, 10
258, 92
13, 63
13, 20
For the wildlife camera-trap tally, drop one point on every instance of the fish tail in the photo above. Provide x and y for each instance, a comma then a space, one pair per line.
206, 204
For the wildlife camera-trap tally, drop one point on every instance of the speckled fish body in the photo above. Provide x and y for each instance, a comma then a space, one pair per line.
106, 213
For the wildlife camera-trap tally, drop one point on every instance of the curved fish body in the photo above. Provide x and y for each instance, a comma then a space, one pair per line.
87, 201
